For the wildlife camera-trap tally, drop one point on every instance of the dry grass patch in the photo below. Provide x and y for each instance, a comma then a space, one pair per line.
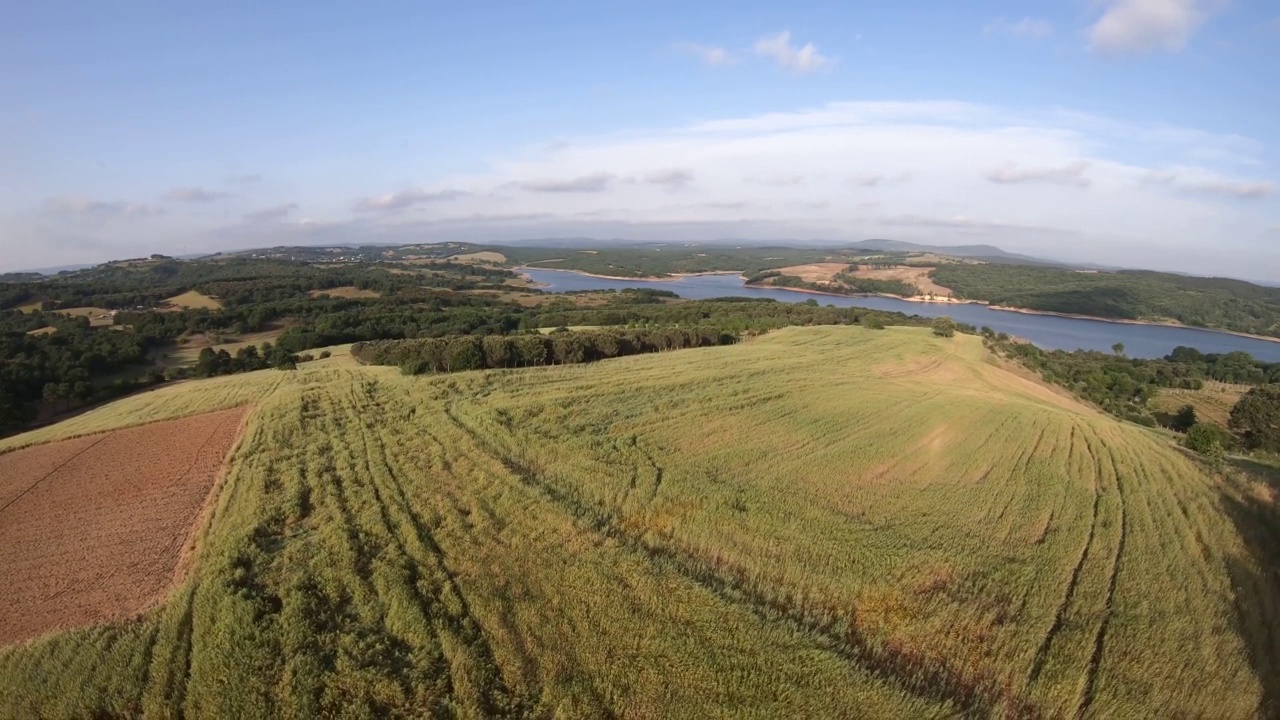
488, 257
98, 317
918, 276
815, 272
349, 292
1213, 402
46, 330
192, 300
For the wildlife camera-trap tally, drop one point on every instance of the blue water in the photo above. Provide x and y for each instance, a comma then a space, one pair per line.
1047, 331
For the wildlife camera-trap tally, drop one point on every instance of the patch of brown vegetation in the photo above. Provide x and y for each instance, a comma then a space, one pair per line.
98, 317
191, 300
349, 292
46, 330
815, 272
483, 257
1213, 402
95, 529
918, 276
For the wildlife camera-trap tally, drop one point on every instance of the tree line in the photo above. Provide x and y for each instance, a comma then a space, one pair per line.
468, 352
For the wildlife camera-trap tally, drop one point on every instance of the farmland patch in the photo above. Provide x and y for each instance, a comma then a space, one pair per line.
93, 529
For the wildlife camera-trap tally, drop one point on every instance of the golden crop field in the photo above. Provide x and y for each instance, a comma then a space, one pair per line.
820, 522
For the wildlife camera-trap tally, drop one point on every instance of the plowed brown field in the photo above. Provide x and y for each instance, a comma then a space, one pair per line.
92, 529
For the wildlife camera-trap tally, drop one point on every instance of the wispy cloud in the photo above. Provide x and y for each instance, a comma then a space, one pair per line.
246, 179
406, 199
878, 179
595, 182
1030, 28
195, 195
271, 214
100, 209
711, 55
801, 60
1141, 26
673, 179
1010, 173
1204, 181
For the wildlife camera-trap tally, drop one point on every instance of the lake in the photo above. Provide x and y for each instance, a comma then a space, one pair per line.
1047, 331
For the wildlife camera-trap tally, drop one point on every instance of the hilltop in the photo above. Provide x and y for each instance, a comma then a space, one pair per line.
813, 520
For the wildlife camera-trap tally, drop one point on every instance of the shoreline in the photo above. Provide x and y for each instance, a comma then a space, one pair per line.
1120, 321
919, 299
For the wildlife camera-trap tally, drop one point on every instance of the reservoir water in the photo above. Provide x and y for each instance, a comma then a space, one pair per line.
1047, 331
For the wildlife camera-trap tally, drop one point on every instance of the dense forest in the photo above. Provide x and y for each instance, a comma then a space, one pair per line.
665, 260
1126, 295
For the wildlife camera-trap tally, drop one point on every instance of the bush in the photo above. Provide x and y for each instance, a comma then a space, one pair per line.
1207, 439
325, 355
1256, 419
944, 327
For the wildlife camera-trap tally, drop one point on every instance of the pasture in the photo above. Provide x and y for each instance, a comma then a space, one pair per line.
349, 292
816, 522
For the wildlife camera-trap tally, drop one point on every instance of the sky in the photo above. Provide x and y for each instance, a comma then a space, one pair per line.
1137, 133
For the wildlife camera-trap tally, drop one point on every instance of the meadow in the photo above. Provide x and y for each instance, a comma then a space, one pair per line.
819, 522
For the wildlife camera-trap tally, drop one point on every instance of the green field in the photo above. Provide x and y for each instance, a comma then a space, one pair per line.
820, 522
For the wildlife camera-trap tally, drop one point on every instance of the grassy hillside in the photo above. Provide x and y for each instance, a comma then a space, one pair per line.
817, 520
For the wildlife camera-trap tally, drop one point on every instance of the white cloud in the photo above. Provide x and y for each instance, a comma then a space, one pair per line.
1206, 181
672, 179
1141, 26
271, 214
100, 209
406, 199
195, 195
591, 183
1030, 28
712, 55
245, 179
806, 59
1010, 172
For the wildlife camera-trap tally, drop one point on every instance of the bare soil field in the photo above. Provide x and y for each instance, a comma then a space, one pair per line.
349, 292
94, 529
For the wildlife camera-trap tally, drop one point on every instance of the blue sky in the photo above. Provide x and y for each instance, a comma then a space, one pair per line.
1132, 132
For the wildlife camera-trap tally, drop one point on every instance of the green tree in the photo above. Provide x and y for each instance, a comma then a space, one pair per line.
1185, 419
1118, 348
1207, 440
1255, 419
944, 327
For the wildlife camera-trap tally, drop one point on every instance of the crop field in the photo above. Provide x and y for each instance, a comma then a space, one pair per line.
816, 523
92, 528
98, 317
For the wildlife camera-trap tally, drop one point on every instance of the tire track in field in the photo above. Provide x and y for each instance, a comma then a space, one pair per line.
904, 669
494, 693
1042, 652
1100, 638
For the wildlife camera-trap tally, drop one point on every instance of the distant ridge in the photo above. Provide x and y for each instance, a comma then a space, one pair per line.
988, 253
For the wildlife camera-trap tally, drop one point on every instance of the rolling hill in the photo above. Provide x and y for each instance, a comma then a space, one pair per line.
814, 521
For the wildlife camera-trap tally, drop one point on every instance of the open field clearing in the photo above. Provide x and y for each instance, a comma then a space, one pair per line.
815, 272
46, 330
92, 529
98, 317
188, 352
192, 300
349, 292
918, 276
486, 256
818, 522
1213, 402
